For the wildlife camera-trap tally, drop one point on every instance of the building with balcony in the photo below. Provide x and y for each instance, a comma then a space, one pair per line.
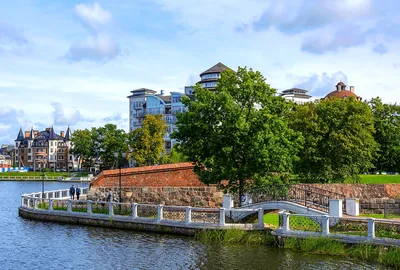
44, 149
296, 95
145, 101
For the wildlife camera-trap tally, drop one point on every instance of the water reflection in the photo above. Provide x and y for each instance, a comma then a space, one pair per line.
36, 245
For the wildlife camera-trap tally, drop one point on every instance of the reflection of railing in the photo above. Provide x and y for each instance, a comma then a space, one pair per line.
353, 230
56, 202
301, 194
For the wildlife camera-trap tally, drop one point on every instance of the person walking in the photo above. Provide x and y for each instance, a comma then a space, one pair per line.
72, 192
78, 192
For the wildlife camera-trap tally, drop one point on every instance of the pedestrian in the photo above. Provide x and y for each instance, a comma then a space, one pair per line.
72, 192
78, 192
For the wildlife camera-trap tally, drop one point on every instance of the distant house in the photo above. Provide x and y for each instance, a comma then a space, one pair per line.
44, 149
296, 95
5, 161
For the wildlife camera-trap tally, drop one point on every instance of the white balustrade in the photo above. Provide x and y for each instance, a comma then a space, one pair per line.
110, 209
134, 210
222, 216
160, 212
89, 207
188, 214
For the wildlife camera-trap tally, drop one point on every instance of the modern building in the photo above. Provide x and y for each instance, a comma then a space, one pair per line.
145, 101
296, 95
44, 149
341, 92
209, 78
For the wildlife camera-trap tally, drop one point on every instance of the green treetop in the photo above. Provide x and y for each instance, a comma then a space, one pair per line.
238, 132
147, 142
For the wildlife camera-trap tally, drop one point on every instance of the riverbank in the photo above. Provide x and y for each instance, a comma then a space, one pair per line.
386, 256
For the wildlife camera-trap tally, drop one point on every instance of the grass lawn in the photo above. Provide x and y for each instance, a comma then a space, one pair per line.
272, 219
380, 179
388, 216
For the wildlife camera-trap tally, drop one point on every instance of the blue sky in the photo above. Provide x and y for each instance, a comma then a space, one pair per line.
73, 63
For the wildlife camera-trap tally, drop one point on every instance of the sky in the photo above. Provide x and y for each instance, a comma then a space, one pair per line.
73, 63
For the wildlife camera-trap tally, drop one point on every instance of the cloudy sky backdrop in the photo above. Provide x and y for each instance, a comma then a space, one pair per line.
74, 63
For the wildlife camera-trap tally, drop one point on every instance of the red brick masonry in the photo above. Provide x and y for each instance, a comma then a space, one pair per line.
168, 175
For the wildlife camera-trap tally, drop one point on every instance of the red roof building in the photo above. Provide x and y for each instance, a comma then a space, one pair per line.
341, 92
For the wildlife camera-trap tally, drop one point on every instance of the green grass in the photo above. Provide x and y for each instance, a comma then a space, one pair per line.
379, 179
272, 220
388, 256
236, 236
380, 216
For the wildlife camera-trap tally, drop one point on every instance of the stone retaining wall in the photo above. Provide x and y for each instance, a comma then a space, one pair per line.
208, 196
380, 206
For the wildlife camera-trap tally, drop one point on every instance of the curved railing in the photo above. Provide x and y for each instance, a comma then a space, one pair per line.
58, 202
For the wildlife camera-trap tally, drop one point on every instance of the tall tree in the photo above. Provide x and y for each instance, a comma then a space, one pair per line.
387, 126
82, 145
110, 140
339, 142
147, 142
238, 132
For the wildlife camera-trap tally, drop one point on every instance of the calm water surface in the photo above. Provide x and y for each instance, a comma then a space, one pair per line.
28, 244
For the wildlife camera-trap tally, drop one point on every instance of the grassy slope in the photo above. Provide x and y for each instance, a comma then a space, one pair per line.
379, 179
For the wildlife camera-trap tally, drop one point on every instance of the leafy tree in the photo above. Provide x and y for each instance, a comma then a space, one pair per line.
238, 132
176, 155
147, 142
387, 126
339, 141
109, 139
82, 145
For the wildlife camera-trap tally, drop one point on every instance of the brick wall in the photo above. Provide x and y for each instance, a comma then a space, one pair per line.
170, 184
171, 175
380, 206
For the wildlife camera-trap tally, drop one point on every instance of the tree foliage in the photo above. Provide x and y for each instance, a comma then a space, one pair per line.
110, 140
387, 135
238, 132
82, 145
339, 142
147, 142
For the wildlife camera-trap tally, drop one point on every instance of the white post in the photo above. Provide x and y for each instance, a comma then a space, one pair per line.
89, 207
222, 216
352, 207
50, 205
134, 210
69, 206
335, 208
159, 212
371, 229
261, 218
22, 201
188, 214
35, 203
325, 225
227, 202
110, 209
29, 202
285, 222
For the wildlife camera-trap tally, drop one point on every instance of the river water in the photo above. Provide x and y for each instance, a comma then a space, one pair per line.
28, 244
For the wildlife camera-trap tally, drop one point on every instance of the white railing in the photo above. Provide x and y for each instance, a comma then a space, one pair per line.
58, 201
349, 229
28, 178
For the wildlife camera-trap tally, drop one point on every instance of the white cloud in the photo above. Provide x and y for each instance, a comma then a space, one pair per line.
65, 116
95, 48
93, 16
320, 85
